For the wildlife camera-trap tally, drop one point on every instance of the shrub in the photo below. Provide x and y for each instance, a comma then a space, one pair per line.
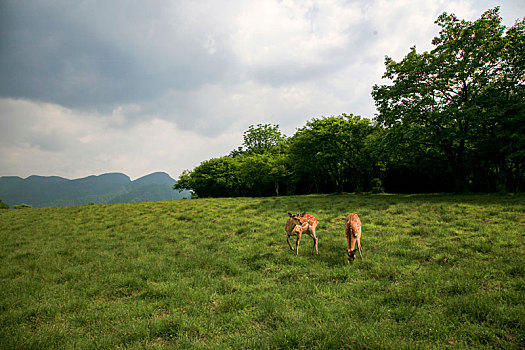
23, 206
376, 185
3, 205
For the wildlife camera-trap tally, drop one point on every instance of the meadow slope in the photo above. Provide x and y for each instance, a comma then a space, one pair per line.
439, 271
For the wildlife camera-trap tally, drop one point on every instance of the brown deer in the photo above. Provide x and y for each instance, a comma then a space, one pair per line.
297, 225
353, 236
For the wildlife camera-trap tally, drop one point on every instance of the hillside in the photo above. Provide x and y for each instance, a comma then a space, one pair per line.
48, 191
438, 271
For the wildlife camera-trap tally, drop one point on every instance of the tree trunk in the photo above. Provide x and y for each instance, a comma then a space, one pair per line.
456, 165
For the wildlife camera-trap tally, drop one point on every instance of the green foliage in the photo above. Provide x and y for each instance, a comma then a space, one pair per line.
261, 174
331, 153
3, 205
263, 138
259, 170
216, 177
467, 90
249, 174
376, 186
438, 271
22, 206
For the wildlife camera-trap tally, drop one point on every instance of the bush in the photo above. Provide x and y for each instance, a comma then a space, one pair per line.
3, 205
23, 206
376, 185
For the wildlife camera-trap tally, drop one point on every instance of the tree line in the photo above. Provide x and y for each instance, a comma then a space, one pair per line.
450, 120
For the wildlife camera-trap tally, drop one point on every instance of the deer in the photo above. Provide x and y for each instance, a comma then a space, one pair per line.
353, 236
298, 224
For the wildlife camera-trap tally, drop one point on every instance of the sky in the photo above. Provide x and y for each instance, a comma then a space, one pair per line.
138, 86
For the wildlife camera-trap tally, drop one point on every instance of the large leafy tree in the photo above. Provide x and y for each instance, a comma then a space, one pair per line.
328, 154
501, 142
263, 138
217, 177
437, 99
262, 162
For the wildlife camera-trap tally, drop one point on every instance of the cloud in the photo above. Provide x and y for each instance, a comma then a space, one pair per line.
95, 54
95, 86
93, 143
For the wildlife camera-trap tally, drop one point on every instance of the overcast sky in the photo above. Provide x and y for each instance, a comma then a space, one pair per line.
138, 86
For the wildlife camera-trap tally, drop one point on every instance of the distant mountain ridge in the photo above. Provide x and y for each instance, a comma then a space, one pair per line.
55, 191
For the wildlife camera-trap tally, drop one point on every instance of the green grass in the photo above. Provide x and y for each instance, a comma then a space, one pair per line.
439, 271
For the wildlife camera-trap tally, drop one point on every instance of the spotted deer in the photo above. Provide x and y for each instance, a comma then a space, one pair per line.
353, 236
297, 225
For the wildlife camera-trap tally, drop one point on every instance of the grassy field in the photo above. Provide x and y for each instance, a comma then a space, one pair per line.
439, 271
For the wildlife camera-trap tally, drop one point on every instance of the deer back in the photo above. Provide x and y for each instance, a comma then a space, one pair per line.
353, 225
310, 219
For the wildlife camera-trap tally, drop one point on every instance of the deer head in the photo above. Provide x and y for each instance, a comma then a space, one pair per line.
296, 218
351, 254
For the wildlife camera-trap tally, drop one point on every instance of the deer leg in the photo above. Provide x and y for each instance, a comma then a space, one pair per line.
359, 248
314, 237
316, 241
348, 234
297, 244
288, 240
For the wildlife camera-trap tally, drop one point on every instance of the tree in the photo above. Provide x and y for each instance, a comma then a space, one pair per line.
262, 165
502, 141
262, 138
328, 154
261, 174
435, 98
217, 177
257, 170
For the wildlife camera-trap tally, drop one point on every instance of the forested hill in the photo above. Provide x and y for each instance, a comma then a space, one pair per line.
47, 191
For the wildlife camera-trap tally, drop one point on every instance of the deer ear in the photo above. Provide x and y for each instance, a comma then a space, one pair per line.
290, 214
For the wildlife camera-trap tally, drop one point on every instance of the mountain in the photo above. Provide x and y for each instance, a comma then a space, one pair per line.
158, 178
54, 191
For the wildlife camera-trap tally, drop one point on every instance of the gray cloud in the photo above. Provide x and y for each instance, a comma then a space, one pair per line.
98, 56
142, 86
